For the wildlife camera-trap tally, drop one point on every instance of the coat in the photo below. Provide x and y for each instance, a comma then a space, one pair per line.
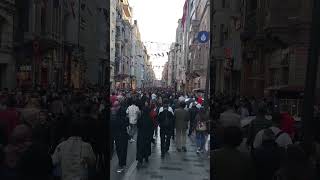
181, 119
161, 118
145, 134
119, 123
230, 164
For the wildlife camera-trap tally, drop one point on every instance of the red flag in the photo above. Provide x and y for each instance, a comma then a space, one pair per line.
185, 12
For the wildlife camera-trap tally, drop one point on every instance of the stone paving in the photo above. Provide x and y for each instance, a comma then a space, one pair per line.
176, 165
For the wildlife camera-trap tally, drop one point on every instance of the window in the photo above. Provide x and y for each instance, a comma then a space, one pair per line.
214, 31
253, 4
24, 14
226, 33
43, 20
1, 31
222, 38
225, 3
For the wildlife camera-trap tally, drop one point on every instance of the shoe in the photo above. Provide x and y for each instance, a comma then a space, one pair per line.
120, 169
132, 140
184, 149
198, 151
139, 165
162, 155
146, 160
179, 150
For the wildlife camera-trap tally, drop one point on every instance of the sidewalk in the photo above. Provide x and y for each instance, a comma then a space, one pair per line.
176, 165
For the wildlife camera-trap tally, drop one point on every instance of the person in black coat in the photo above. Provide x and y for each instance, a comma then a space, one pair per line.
166, 123
268, 157
193, 112
145, 135
119, 124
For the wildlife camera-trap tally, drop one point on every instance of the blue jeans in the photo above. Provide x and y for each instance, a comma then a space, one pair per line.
201, 139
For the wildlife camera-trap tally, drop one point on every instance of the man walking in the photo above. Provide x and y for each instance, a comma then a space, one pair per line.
166, 123
181, 124
193, 112
133, 113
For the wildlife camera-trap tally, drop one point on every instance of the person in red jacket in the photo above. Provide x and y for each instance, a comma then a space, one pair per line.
287, 124
200, 100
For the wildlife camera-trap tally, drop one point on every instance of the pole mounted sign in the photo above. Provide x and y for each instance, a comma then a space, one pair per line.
203, 36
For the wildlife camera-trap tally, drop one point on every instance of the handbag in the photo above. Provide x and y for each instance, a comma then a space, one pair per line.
201, 126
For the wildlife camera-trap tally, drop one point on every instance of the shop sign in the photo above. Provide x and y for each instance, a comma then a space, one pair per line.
25, 68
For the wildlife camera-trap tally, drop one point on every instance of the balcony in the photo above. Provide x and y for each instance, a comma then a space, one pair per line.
6, 47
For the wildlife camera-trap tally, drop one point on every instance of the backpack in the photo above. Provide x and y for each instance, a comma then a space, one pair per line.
276, 136
166, 121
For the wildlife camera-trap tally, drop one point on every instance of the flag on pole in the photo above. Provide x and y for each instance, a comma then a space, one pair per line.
185, 13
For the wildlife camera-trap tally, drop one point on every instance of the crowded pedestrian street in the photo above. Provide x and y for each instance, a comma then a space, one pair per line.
159, 90
176, 165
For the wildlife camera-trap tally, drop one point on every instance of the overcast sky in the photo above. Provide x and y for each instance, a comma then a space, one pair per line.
157, 20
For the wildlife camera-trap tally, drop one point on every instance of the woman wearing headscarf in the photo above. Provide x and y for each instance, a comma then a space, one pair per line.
145, 133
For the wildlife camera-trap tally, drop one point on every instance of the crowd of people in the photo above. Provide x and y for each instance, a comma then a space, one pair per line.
144, 112
64, 134
53, 134
270, 146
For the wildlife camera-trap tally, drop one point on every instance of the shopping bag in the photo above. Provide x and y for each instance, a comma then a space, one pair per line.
207, 145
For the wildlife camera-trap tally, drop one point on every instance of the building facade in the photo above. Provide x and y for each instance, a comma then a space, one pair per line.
188, 59
132, 65
113, 25
7, 60
275, 47
38, 43
200, 50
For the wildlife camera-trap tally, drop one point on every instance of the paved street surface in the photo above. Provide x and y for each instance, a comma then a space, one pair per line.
131, 157
176, 165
